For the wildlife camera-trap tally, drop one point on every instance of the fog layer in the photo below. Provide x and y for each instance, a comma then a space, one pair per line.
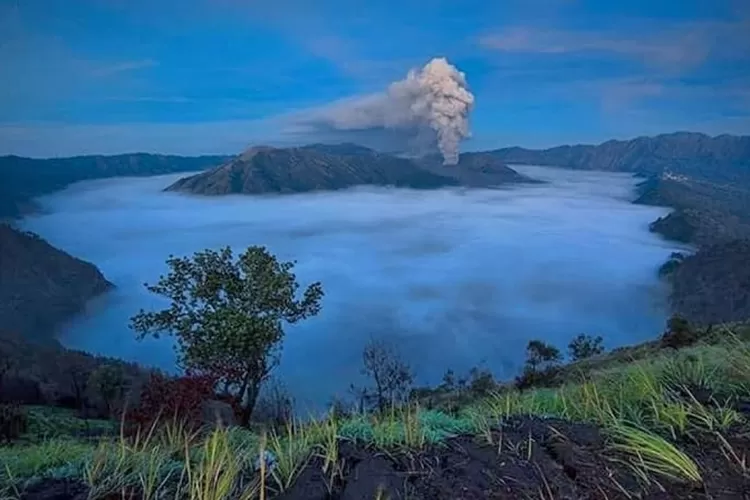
456, 278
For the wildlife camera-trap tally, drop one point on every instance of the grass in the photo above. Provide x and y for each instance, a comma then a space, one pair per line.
648, 407
654, 454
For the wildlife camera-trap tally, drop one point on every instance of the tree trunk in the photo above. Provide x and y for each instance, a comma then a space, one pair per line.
249, 404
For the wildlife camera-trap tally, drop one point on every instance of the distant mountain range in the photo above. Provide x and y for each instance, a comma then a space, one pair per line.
724, 158
706, 180
22, 179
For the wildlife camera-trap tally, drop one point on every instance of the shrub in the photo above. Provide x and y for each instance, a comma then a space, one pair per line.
679, 333
537, 378
481, 382
168, 398
541, 366
13, 422
540, 354
585, 346
108, 383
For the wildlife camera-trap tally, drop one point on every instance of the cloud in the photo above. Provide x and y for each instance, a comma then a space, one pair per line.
621, 94
123, 67
679, 49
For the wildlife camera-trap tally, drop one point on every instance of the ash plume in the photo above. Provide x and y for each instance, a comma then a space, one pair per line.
431, 105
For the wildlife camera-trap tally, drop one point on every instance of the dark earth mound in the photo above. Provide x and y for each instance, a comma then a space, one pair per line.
528, 457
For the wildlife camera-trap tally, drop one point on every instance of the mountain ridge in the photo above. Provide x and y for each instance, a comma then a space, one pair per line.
22, 179
42, 286
315, 167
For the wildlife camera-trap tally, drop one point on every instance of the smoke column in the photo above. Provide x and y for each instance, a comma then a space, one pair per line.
438, 96
434, 98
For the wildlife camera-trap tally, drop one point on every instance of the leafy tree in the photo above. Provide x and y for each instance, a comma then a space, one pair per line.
541, 366
584, 346
449, 381
679, 333
540, 354
481, 382
392, 378
108, 381
228, 314
77, 367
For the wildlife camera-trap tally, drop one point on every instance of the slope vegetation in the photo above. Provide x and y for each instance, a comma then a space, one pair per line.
645, 422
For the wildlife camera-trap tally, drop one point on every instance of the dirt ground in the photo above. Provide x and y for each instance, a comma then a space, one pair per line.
528, 458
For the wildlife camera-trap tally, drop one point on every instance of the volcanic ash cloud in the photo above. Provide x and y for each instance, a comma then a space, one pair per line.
434, 101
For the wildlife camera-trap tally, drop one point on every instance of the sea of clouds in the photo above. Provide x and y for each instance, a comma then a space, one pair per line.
454, 278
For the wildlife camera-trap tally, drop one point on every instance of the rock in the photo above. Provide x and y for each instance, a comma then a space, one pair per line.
215, 412
270, 461
56, 489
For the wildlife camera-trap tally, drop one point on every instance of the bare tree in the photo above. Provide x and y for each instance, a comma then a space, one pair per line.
391, 377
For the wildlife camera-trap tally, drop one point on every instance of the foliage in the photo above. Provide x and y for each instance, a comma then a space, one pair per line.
653, 453
47, 422
13, 422
540, 368
540, 354
481, 382
164, 398
584, 346
391, 377
648, 423
109, 383
41, 459
228, 315
679, 333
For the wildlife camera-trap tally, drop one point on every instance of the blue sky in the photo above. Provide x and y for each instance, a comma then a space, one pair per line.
216, 76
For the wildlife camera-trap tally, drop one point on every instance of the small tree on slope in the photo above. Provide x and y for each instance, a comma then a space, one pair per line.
228, 315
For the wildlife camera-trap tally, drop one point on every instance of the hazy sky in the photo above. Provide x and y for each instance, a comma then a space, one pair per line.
214, 76
453, 278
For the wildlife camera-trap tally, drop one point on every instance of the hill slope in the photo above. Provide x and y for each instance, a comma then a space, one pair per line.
22, 179
328, 167
309, 168
41, 286
705, 212
713, 286
722, 158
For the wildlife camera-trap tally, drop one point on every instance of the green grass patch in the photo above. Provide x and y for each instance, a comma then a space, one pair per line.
646, 406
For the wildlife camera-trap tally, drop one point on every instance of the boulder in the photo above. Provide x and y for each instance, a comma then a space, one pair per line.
215, 412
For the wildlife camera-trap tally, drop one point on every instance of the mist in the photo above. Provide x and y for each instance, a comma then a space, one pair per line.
454, 278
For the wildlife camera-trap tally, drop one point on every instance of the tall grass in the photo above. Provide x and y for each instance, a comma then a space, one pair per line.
643, 405
654, 454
